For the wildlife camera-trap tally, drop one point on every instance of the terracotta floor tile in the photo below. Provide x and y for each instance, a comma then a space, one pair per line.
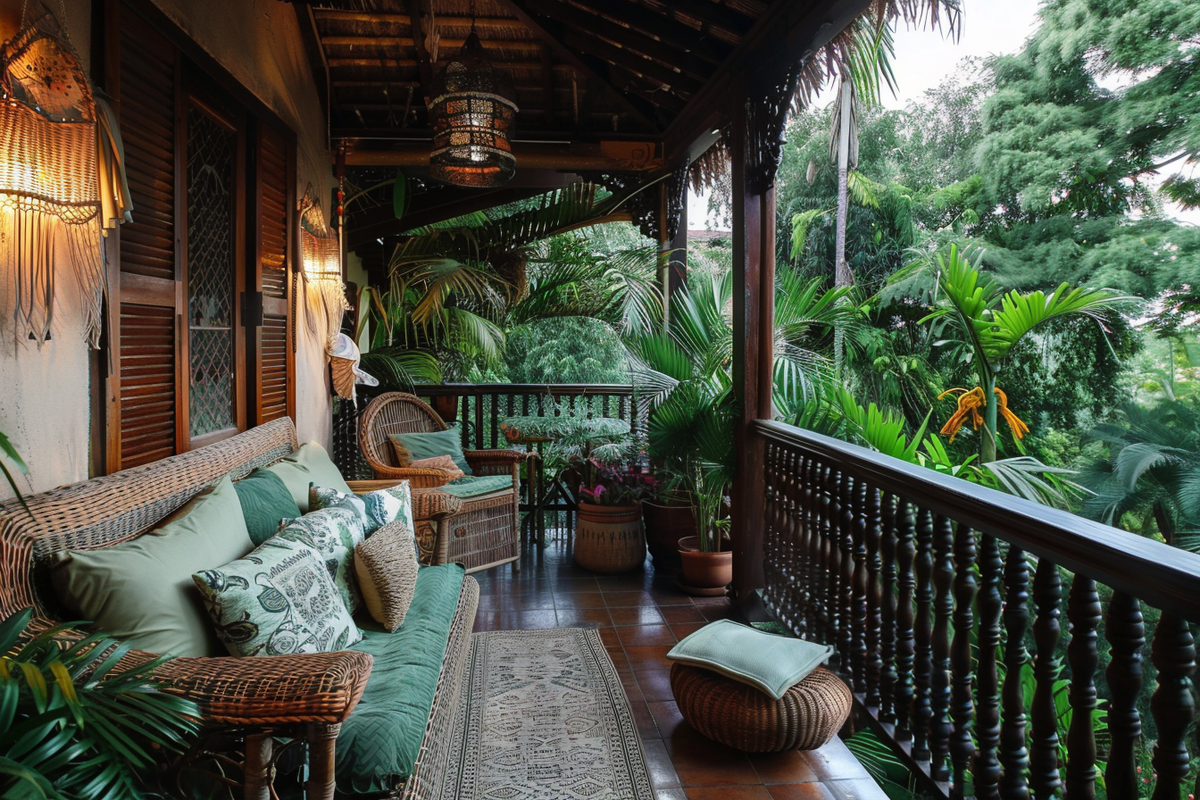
670, 794
532, 602
592, 598
835, 762
667, 717
682, 630
583, 618
636, 616
574, 585
632, 582
790, 766
609, 637
658, 761
531, 620
648, 656
703, 762
655, 684
646, 634
673, 614
644, 720
727, 793
714, 613
487, 621
801, 791
627, 599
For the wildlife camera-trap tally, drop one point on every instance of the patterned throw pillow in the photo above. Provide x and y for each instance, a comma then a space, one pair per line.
387, 572
275, 601
334, 533
444, 463
378, 508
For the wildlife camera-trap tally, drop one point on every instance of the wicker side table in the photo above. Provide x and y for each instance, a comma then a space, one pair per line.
742, 717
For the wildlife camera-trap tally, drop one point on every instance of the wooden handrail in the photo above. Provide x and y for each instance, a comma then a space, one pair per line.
1161, 575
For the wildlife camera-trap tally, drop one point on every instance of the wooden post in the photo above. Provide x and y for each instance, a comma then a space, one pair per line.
753, 313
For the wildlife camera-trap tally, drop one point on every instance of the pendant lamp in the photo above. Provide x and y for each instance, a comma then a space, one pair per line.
472, 114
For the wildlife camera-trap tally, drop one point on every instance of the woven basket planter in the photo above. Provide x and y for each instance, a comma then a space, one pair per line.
609, 538
738, 715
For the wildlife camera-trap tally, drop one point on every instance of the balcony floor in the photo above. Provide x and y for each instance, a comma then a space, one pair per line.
640, 616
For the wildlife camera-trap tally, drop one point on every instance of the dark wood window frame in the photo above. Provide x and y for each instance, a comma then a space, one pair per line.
141, 377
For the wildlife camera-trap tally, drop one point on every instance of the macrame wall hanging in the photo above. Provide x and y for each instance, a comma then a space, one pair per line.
321, 253
49, 181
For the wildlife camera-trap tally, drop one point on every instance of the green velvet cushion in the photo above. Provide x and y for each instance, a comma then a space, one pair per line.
309, 464
431, 445
266, 502
477, 485
379, 742
141, 591
766, 661
277, 600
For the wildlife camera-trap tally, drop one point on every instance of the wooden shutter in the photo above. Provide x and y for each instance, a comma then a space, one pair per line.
146, 388
275, 171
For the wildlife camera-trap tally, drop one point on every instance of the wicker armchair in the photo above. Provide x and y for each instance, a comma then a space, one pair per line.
478, 532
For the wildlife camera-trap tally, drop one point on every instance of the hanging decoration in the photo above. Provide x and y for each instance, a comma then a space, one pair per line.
472, 113
49, 185
321, 254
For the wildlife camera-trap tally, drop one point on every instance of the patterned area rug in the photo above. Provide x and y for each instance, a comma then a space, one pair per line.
543, 716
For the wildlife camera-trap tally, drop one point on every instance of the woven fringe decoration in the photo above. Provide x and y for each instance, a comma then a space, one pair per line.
49, 185
321, 252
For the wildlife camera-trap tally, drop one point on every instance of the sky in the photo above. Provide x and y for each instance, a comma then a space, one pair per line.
924, 58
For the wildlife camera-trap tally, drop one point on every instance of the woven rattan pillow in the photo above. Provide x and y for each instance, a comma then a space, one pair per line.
766, 661
387, 574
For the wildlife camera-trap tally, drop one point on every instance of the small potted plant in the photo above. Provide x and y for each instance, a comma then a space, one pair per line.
668, 515
608, 530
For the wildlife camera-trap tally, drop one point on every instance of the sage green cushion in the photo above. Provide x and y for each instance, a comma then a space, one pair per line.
278, 600
378, 508
141, 591
266, 502
379, 742
309, 464
333, 533
767, 661
477, 485
431, 445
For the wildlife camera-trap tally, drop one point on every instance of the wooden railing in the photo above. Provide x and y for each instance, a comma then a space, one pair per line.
939, 595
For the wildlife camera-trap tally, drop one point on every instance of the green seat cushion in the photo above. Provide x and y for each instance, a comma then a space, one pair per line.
431, 445
309, 464
767, 661
141, 591
477, 485
378, 745
266, 502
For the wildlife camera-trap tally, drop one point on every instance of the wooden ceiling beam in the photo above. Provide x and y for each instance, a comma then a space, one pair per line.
530, 157
669, 30
715, 14
372, 40
676, 82
437, 205
424, 65
555, 44
645, 45
313, 49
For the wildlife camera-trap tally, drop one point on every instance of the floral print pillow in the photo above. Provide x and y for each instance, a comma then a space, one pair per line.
378, 508
333, 532
277, 600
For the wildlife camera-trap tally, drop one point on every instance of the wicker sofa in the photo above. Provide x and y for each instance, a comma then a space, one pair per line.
254, 700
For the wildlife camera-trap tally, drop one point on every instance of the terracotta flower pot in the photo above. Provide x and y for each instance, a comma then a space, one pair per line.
704, 573
665, 525
609, 538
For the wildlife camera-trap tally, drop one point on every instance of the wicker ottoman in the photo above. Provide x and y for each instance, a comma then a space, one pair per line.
738, 715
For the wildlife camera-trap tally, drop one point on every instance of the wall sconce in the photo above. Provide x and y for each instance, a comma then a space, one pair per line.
49, 181
321, 258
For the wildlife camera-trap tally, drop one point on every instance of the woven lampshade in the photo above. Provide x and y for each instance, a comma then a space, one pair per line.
321, 256
472, 113
49, 179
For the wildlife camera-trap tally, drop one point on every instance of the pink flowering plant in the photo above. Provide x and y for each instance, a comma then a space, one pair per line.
616, 486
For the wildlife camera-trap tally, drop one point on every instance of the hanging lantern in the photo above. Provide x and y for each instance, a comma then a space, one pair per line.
49, 181
472, 113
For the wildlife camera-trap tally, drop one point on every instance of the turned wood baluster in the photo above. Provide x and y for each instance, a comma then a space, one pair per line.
807, 569
1014, 757
1126, 632
962, 707
874, 658
1173, 653
987, 686
791, 552
943, 606
858, 601
1043, 718
848, 620
889, 677
829, 576
922, 709
905, 646
1083, 614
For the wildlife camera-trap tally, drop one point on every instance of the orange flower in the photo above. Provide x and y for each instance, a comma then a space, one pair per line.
969, 405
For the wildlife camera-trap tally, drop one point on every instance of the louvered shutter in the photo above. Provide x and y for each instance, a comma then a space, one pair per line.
147, 385
275, 171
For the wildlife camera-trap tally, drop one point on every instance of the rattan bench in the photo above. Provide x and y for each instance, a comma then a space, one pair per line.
253, 700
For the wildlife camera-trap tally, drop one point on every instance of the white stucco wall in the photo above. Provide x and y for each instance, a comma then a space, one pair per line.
44, 405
